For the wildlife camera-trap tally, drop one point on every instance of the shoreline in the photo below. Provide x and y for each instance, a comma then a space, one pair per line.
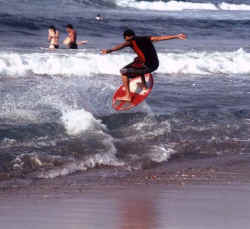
204, 193
233, 169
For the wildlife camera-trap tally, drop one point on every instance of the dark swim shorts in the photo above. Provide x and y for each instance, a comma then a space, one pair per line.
54, 46
135, 69
73, 46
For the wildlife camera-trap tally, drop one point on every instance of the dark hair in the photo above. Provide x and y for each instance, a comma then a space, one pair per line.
53, 28
69, 26
128, 33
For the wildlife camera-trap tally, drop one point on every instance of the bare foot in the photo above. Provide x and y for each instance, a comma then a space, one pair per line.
124, 98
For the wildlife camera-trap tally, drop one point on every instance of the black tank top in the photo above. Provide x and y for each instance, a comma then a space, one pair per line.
144, 48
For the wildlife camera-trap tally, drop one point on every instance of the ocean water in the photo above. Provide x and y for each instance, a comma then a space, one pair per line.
56, 116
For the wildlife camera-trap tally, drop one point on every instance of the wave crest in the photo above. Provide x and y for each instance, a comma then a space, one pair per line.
180, 5
88, 64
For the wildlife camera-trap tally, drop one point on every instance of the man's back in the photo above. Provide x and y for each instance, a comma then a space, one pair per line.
145, 45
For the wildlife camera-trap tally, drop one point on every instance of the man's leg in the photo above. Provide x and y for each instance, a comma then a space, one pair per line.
143, 84
142, 70
127, 96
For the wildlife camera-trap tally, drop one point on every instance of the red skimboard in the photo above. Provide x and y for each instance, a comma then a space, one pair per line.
138, 95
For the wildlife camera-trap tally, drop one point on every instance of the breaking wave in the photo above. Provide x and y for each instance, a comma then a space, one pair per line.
87, 64
181, 5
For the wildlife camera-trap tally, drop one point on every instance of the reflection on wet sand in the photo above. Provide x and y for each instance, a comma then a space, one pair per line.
137, 211
147, 207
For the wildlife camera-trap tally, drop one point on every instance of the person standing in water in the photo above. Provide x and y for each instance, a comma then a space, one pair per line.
53, 37
71, 39
99, 17
146, 60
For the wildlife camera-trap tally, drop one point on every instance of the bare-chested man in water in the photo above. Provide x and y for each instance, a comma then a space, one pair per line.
70, 40
53, 37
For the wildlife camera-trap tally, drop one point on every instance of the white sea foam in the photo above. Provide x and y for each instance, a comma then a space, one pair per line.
234, 7
89, 64
181, 5
69, 165
78, 121
15, 64
160, 153
206, 63
107, 159
166, 6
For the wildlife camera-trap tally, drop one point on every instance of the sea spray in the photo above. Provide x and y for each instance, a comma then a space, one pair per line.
78, 121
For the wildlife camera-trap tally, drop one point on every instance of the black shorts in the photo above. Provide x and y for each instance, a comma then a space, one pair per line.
73, 46
135, 69
54, 46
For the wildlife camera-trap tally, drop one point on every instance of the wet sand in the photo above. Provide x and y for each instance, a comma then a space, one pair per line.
146, 207
204, 193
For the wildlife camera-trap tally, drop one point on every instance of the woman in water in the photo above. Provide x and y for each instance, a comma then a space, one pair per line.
53, 38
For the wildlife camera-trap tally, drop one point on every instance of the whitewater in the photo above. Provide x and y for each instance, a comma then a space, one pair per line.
87, 64
182, 5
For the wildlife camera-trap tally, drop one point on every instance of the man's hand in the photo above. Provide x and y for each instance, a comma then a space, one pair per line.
182, 36
105, 51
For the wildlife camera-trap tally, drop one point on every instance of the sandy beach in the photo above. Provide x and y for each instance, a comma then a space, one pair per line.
146, 207
197, 196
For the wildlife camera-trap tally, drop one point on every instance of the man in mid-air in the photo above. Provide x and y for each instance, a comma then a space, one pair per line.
146, 60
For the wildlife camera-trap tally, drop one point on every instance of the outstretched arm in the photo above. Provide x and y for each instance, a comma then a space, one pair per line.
116, 48
168, 37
